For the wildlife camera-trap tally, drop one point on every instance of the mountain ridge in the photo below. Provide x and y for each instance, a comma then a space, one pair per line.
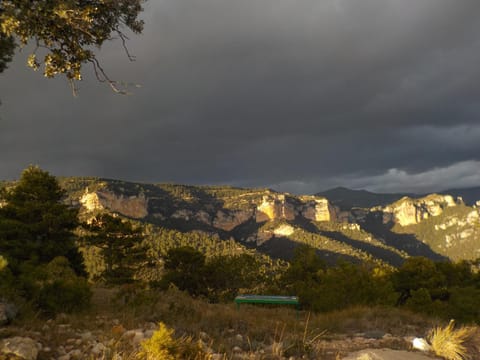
347, 198
436, 226
275, 223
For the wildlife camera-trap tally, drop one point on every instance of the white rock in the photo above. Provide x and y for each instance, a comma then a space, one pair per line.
421, 344
138, 337
23, 347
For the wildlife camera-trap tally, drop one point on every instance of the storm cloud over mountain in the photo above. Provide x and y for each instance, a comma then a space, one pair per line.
296, 95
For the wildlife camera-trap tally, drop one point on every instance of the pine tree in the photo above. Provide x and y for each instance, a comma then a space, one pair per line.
120, 245
35, 225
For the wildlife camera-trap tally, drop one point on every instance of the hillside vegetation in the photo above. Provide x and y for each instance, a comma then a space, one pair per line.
61, 240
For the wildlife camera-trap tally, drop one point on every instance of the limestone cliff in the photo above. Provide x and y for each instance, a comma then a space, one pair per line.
275, 206
409, 211
318, 209
135, 207
285, 207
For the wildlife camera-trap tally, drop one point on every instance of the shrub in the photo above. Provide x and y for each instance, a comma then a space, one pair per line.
7, 280
55, 287
3, 263
161, 345
185, 268
448, 342
226, 276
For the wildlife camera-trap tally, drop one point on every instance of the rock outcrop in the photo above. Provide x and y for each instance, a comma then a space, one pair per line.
284, 207
135, 207
409, 211
284, 230
22, 347
274, 207
318, 209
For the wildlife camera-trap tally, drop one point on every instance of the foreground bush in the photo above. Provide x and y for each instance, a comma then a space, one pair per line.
449, 342
163, 346
55, 287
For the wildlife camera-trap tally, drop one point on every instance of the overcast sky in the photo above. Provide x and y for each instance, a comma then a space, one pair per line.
296, 95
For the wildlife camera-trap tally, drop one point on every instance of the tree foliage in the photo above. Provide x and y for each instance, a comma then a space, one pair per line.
35, 225
38, 254
54, 287
227, 276
323, 288
7, 47
185, 268
119, 244
67, 30
219, 278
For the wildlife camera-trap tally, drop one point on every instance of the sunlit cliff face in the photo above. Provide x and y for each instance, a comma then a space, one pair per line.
409, 211
135, 207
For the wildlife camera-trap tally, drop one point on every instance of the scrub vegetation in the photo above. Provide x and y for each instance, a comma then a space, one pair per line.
51, 262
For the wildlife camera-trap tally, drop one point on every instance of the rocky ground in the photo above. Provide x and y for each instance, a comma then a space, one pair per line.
59, 340
112, 331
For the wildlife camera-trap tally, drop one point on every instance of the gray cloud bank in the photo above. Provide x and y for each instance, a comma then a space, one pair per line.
296, 95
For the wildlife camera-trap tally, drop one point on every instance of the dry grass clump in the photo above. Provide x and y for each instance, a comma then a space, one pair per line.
451, 343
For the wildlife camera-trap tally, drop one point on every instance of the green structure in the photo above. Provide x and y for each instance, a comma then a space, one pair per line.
267, 299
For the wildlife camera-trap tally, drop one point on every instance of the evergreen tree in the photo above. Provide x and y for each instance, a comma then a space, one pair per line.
185, 268
35, 226
120, 245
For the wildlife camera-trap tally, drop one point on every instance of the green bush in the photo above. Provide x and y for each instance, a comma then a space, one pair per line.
226, 276
185, 268
3, 263
64, 296
7, 280
323, 288
463, 304
55, 287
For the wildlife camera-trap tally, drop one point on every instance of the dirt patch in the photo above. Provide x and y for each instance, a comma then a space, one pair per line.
387, 354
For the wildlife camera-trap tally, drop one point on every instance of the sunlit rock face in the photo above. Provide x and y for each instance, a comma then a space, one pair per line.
318, 209
91, 202
283, 207
284, 230
273, 207
409, 211
135, 207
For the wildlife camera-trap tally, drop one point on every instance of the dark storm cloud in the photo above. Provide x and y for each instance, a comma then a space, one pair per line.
296, 95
